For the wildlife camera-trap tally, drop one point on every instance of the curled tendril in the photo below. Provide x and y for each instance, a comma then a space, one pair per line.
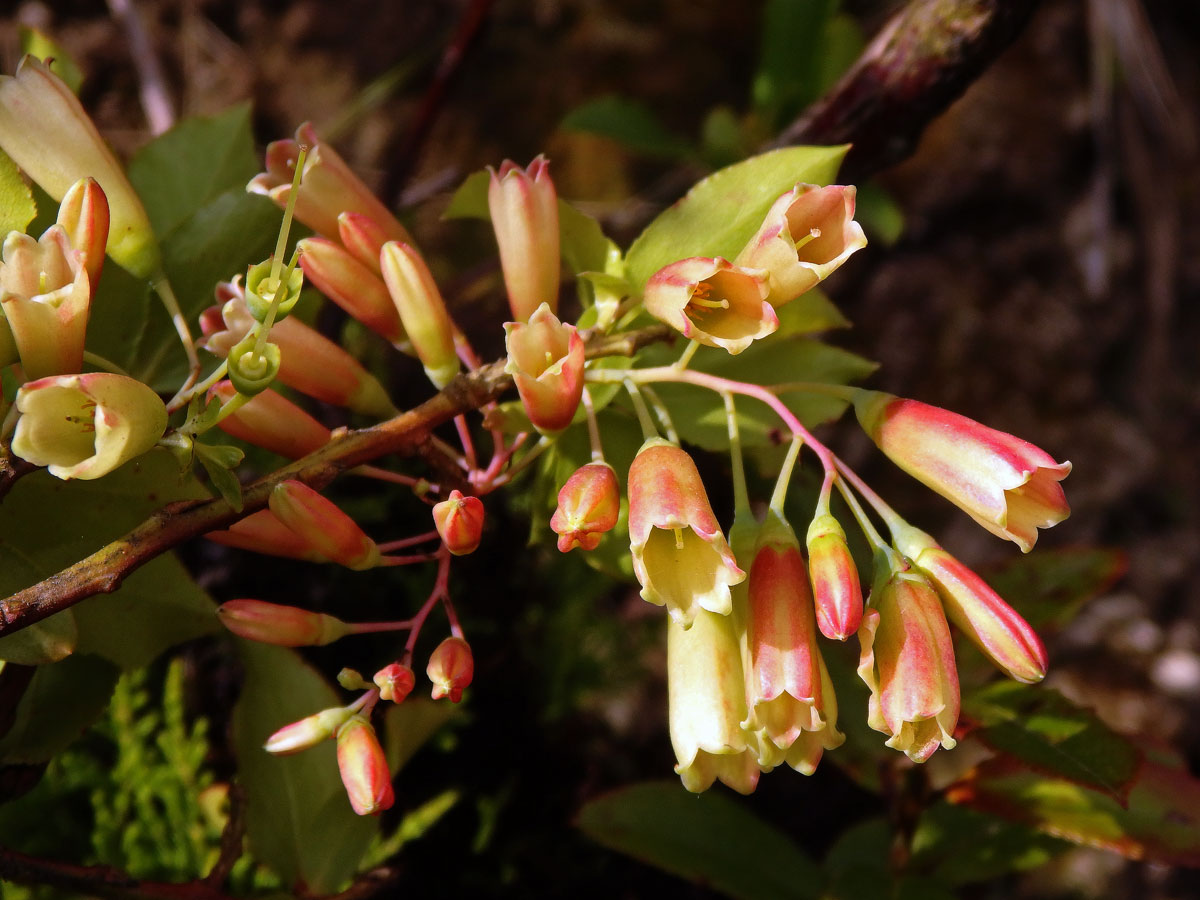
261, 287
253, 369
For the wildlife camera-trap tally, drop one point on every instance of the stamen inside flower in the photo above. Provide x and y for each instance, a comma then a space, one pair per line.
812, 235
678, 538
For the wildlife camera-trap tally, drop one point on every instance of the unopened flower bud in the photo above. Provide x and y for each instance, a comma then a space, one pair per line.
451, 667
363, 238
363, 768
83, 215
262, 532
524, 209
354, 287
588, 506
836, 588
308, 732
273, 422
422, 310
459, 522
284, 626
395, 682
323, 525
710, 300
545, 358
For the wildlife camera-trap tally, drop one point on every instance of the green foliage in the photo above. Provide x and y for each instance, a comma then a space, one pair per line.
17, 208
631, 123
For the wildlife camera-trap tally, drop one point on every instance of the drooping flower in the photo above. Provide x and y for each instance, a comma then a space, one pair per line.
807, 234
323, 525
710, 300
395, 682
907, 660
422, 310
262, 532
459, 522
363, 767
284, 626
545, 358
1007, 485
271, 421
524, 209
589, 505
836, 588
680, 555
451, 668
85, 426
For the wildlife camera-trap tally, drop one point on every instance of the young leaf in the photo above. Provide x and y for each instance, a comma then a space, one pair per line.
17, 208
630, 123
219, 462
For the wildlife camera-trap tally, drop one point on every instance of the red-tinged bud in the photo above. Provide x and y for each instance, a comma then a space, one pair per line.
710, 300
588, 506
46, 296
273, 422
459, 522
978, 611
792, 707
364, 238
262, 532
807, 234
545, 358
83, 215
284, 626
1007, 485
836, 588
308, 732
395, 682
680, 555
451, 667
351, 285
309, 362
524, 208
421, 309
327, 185
323, 526
907, 660
363, 768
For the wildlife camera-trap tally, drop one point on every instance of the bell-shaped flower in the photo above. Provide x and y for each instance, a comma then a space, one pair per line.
46, 296
363, 767
83, 215
791, 705
310, 362
524, 209
589, 505
807, 233
271, 421
353, 286
706, 704
308, 732
978, 611
459, 522
836, 588
284, 626
327, 186
1007, 485
545, 359
323, 525
395, 682
85, 426
46, 132
907, 661
451, 668
262, 532
680, 555
710, 300
422, 310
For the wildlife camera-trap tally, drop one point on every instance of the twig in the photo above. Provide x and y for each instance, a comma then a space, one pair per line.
232, 836
97, 881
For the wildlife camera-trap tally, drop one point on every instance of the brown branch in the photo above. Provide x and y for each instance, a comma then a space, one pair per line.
232, 838
925, 57
105, 570
97, 881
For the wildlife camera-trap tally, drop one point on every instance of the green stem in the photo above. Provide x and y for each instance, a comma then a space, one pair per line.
661, 413
741, 497
104, 365
639, 407
162, 287
686, 357
589, 412
779, 496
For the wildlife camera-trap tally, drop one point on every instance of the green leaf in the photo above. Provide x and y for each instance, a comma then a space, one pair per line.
1050, 734
1050, 586
62, 700
1160, 823
408, 725
881, 216
790, 55
298, 819
585, 247
192, 164
722, 212
46, 641
470, 201
17, 208
630, 123
810, 313
218, 462
706, 838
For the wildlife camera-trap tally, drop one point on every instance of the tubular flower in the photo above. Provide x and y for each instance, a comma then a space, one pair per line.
710, 300
47, 133
545, 358
83, 215
422, 310
363, 238
308, 732
326, 528
284, 626
807, 234
351, 285
792, 707
978, 611
707, 703
459, 522
84, 426
271, 421
835, 583
46, 296
309, 363
680, 556
907, 660
363, 767
262, 532
327, 186
589, 505
524, 208
451, 668
1007, 485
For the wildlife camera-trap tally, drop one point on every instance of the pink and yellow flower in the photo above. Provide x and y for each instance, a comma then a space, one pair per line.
836, 588
524, 209
363, 767
284, 626
589, 505
710, 300
451, 668
459, 522
545, 358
